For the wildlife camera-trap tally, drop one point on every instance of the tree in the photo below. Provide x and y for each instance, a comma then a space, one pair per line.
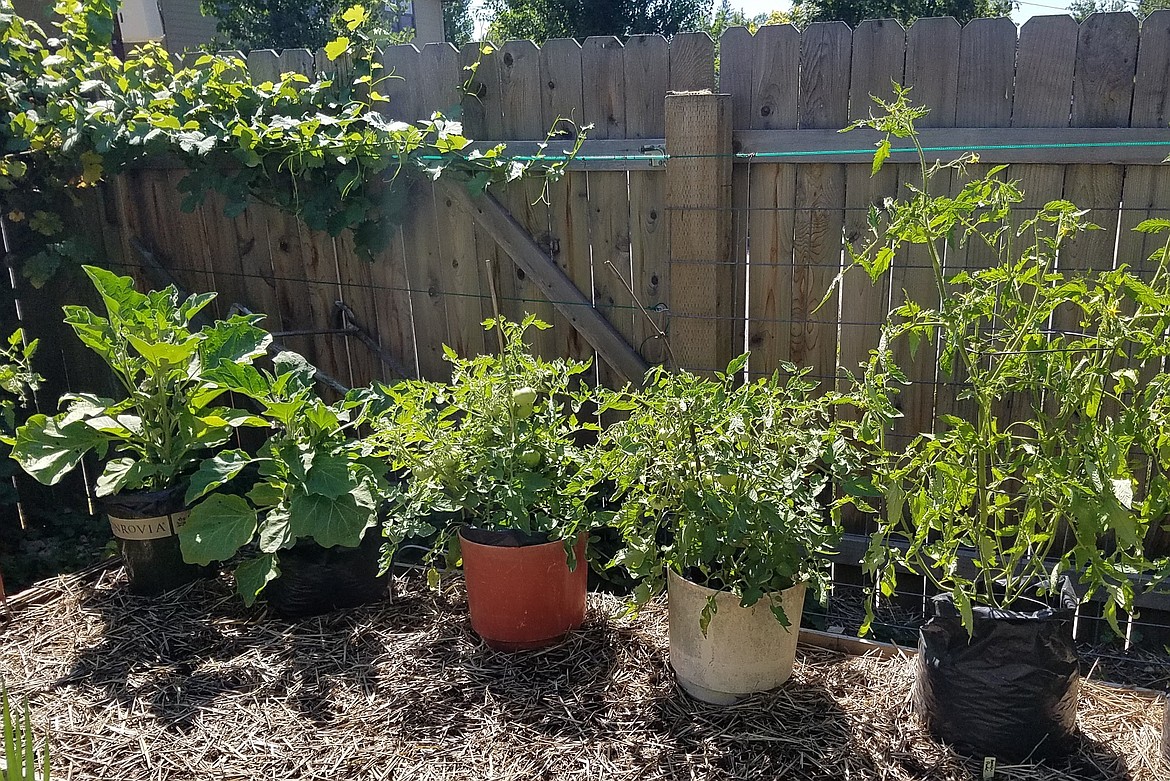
725, 16
458, 25
540, 20
1081, 9
853, 12
292, 24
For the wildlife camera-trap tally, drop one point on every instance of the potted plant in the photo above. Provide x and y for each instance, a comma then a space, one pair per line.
498, 447
310, 501
1044, 480
153, 438
727, 490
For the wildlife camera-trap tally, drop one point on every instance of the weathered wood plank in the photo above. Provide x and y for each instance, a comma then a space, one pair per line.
520, 79
603, 69
1145, 188
932, 71
735, 79
1106, 63
878, 61
826, 52
647, 66
987, 67
692, 62
775, 57
561, 98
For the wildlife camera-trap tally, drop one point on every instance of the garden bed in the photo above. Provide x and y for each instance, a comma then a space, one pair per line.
193, 685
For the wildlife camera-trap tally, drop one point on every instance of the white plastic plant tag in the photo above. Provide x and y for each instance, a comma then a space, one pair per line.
988, 768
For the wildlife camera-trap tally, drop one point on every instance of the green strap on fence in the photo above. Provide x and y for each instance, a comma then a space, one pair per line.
659, 156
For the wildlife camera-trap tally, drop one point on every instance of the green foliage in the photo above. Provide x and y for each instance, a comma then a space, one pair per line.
73, 114
20, 762
168, 372
311, 480
1061, 422
498, 445
17, 380
853, 12
1081, 9
540, 20
729, 484
726, 17
458, 24
295, 24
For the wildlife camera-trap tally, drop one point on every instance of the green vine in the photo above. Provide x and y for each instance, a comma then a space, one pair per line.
73, 115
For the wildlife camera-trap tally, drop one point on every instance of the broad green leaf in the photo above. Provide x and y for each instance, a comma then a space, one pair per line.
336, 48
125, 474
217, 528
266, 495
165, 353
214, 472
329, 476
48, 451
330, 522
253, 575
239, 378
276, 530
117, 292
236, 340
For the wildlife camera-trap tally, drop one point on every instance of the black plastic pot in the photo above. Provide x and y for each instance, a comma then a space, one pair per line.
315, 580
1009, 689
146, 524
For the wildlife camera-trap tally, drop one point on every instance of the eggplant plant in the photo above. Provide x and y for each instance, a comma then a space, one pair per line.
735, 486
1054, 462
154, 436
312, 479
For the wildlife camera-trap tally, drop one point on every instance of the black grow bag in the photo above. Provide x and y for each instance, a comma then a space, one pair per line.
146, 525
1010, 689
315, 580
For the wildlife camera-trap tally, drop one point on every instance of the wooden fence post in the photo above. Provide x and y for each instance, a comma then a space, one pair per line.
703, 302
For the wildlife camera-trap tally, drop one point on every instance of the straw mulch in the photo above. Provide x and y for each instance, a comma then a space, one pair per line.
194, 686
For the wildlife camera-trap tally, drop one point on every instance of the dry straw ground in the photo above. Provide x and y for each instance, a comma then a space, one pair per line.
194, 686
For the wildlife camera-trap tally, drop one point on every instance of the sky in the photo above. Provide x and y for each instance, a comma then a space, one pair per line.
1025, 11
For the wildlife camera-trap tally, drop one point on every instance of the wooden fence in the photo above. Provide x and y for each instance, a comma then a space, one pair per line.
726, 202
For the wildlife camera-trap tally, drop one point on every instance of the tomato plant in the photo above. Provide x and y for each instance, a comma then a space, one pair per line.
1077, 357
733, 485
499, 445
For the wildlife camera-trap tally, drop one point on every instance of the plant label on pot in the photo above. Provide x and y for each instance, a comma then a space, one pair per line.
148, 528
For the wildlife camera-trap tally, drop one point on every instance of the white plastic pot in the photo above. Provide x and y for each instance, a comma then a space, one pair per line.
745, 650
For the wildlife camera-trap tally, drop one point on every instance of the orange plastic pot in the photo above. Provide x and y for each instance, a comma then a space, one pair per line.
522, 596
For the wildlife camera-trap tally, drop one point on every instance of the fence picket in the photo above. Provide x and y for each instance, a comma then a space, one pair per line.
825, 54
603, 69
775, 56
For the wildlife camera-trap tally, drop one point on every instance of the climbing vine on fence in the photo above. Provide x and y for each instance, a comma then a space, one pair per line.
73, 114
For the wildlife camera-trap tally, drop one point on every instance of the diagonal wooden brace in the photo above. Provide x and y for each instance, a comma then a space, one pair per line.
490, 216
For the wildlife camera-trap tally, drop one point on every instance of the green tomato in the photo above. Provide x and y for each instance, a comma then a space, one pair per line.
727, 481
530, 459
523, 401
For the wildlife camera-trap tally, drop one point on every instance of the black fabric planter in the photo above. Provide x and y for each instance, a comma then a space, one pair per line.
1010, 689
146, 525
315, 580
